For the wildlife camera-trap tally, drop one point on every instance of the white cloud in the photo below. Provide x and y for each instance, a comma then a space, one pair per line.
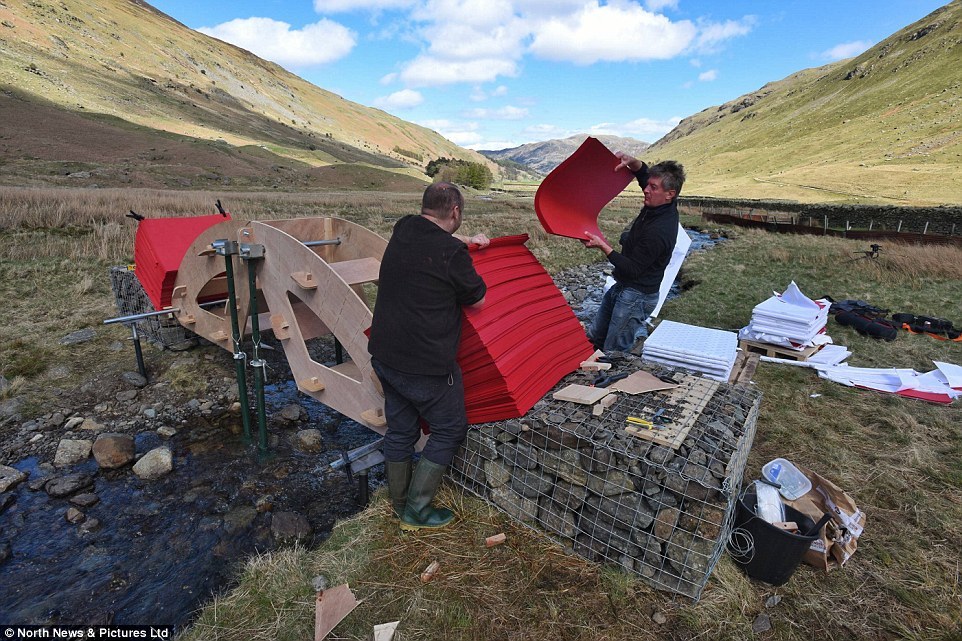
712, 34
611, 33
846, 50
478, 93
494, 145
403, 99
318, 43
463, 41
429, 71
504, 113
644, 129
542, 131
335, 6
658, 5
461, 133
465, 138
708, 76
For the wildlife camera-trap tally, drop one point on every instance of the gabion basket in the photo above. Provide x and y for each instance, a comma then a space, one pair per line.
661, 511
131, 299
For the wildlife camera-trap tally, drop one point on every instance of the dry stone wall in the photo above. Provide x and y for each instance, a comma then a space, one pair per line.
931, 220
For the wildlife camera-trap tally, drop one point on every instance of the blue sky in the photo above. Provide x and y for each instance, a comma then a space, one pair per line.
492, 74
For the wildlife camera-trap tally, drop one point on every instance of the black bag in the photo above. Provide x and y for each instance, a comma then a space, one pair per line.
875, 327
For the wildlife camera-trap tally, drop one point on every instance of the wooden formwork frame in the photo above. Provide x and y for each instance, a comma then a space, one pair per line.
303, 292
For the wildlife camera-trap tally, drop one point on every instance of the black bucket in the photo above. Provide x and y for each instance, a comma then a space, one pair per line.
773, 553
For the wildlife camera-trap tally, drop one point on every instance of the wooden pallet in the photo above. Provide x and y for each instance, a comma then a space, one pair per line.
777, 351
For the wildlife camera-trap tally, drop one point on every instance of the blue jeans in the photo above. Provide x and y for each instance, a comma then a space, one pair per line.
620, 320
438, 399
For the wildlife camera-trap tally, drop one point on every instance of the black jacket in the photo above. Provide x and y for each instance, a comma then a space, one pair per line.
646, 245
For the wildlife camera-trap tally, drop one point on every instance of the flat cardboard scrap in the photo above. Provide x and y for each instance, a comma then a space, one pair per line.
330, 609
839, 538
385, 631
584, 394
641, 382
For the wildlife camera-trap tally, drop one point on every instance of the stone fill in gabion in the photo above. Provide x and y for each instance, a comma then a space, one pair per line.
658, 512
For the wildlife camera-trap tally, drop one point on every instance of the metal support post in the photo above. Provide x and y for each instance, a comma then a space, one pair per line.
135, 335
138, 352
363, 492
228, 249
251, 253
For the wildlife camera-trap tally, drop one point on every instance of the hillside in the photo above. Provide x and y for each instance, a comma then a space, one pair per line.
884, 127
126, 61
544, 156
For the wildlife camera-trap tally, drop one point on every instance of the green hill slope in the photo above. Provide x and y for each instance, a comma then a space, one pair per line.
884, 127
123, 58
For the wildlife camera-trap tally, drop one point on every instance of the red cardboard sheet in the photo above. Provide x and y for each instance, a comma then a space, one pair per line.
571, 197
159, 248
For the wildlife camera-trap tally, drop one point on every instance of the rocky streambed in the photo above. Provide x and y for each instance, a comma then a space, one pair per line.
136, 510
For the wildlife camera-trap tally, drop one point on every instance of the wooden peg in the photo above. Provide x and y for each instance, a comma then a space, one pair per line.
304, 280
312, 384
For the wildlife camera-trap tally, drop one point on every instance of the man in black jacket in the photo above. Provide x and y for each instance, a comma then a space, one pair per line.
646, 248
426, 277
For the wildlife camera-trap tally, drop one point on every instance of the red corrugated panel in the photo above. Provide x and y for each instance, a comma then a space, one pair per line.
570, 198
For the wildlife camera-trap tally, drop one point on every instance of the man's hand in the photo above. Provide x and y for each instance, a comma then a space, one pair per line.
627, 162
593, 240
480, 240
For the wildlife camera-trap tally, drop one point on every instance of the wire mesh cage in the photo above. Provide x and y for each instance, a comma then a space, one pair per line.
131, 299
656, 500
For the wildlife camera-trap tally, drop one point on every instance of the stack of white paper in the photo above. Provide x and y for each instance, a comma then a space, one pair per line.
700, 349
788, 320
941, 385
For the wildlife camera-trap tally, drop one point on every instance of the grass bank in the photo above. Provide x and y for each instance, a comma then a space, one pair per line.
900, 459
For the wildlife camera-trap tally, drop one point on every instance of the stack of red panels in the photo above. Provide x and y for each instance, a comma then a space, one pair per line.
522, 341
159, 248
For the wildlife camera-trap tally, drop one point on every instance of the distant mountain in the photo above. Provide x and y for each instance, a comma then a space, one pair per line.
135, 70
542, 157
883, 127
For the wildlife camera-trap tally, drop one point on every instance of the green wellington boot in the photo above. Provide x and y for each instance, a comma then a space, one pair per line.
419, 513
398, 475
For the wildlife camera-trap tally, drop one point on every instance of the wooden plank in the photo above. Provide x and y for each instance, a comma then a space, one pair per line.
744, 368
358, 271
594, 366
599, 408
777, 351
583, 394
